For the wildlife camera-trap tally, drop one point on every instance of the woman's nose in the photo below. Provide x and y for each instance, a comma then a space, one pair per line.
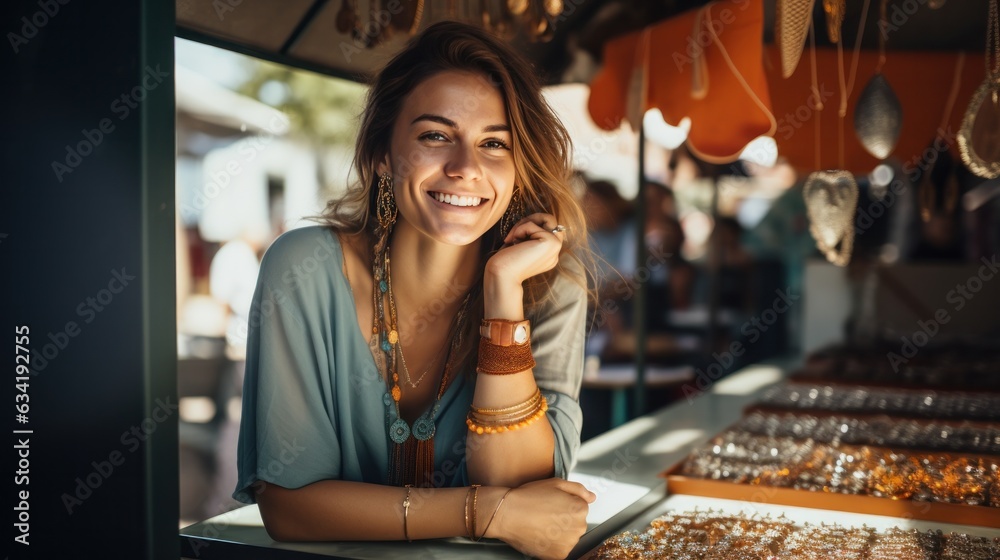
463, 164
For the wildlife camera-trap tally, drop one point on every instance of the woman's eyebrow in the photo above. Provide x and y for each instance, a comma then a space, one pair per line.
450, 123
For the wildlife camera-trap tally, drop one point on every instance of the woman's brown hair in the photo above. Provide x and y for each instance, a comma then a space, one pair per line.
541, 146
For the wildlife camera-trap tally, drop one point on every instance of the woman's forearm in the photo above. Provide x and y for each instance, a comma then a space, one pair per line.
509, 458
338, 510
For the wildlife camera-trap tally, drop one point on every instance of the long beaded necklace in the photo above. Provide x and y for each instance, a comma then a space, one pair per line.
411, 458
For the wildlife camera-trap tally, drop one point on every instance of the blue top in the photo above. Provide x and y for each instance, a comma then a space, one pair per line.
312, 395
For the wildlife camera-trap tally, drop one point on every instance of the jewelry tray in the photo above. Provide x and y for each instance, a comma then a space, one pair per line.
985, 516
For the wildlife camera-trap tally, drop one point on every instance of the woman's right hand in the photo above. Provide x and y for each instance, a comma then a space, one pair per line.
544, 518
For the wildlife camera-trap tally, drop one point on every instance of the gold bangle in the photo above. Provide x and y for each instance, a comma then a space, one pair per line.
406, 513
490, 522
475, 498
468, 523
530, 402
480, 427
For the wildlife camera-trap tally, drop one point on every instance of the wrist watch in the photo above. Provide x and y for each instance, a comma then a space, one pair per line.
502, 332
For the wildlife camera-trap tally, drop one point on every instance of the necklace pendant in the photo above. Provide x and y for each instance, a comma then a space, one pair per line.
393, 336
399, 431
396, 393
383, 286
386, 347
423, 427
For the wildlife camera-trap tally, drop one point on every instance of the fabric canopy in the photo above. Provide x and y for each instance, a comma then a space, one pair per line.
711, 65
705, 64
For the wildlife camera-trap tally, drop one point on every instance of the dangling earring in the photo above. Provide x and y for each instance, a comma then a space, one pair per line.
385, 203
513, 214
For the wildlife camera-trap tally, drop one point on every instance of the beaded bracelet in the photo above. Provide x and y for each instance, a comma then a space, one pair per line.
485, 424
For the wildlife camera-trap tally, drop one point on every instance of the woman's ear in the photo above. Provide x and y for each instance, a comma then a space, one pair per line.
384, 166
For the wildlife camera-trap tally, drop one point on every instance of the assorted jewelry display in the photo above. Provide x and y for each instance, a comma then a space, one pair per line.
881, 431
784, 462
709, 535
899, 402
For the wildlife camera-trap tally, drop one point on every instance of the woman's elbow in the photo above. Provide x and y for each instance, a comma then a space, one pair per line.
276, 520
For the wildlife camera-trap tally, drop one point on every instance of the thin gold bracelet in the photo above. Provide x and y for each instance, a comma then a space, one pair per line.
475, 498
490, 522
406, 513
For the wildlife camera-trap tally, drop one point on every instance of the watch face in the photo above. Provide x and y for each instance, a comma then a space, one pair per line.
520, 334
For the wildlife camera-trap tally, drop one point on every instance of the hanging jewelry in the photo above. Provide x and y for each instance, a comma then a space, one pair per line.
385, 203
835, 12
791, 25
979, 139
831, 199
878, 116
411, 451
513, 214
831, 196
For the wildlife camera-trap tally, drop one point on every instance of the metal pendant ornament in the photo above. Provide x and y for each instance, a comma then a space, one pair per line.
835, 12
831, 199
878, 117
979, 137
791, 27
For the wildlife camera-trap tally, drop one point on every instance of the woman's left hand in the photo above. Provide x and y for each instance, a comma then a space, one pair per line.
530, 248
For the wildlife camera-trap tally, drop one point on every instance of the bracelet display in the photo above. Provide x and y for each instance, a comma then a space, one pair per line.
709, 534
747, 458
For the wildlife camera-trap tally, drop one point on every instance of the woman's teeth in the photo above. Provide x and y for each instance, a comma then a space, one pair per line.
457, 200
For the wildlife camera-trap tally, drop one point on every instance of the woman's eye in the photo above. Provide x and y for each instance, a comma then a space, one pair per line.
433, 136
496, 144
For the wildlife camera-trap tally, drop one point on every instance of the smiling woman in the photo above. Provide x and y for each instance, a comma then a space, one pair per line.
429, 373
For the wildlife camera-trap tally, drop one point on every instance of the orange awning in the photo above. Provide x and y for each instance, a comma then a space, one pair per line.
745, 88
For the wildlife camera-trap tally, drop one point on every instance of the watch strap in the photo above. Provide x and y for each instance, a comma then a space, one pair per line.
503, 332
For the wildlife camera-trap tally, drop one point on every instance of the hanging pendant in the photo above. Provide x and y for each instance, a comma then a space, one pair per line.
979, 137
791, 27
835, 11
423, 427
831, 199
383, 286
393, 336
399, 431
878, 117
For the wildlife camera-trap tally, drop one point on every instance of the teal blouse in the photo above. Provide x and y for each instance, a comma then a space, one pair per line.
312, 395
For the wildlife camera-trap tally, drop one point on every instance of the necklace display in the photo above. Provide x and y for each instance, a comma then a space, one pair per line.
411, 457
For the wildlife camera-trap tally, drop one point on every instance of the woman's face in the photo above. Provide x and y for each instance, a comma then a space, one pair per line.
450, 158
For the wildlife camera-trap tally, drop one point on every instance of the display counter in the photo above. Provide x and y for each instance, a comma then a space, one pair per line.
622, 466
